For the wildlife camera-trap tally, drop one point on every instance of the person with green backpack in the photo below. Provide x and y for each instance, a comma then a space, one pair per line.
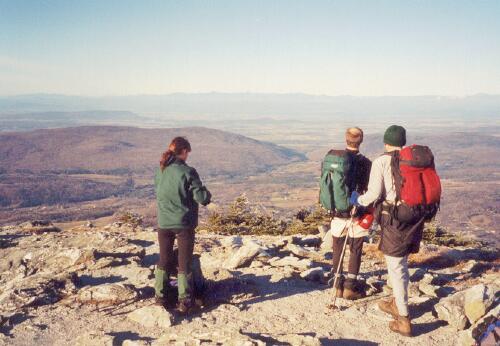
345, 171
179, 190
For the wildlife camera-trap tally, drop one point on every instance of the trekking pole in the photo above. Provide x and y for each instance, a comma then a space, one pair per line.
339, 267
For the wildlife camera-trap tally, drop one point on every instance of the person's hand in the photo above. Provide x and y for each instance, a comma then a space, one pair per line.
354, 199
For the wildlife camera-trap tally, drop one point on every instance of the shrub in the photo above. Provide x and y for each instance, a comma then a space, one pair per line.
435, 234
241, 218
129, 218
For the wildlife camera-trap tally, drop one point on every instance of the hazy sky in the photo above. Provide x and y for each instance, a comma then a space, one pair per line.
318, 47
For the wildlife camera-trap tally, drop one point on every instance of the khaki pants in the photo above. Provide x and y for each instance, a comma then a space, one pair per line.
397, 268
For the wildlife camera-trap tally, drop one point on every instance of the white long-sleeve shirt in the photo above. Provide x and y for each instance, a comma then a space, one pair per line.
381, 181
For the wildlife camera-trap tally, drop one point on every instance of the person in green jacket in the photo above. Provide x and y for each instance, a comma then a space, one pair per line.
179, 190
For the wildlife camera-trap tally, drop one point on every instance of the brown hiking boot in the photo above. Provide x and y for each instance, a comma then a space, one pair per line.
401, 325
161, 301
186, 306
339, 285
389, 306
352, 291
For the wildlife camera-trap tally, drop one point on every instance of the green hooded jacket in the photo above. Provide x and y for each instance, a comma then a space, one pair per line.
178, 191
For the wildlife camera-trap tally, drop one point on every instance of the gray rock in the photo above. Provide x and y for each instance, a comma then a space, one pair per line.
292, 261
209, 261
428, 289
135, 274
470, 336
414, 290
313, 274
478, 300
244, 256
298, 250
232, 242
152, 316
471, 266
451, 310
416, 274
107, 294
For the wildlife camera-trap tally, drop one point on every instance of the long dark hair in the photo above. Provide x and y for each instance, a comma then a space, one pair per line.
176, 147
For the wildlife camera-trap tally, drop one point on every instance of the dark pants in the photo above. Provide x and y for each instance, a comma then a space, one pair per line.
185, 244
356, 248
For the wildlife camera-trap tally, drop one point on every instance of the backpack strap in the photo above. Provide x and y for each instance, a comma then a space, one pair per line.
396, 173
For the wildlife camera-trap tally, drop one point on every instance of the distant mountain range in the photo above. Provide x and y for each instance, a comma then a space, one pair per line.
123, 150
251, 105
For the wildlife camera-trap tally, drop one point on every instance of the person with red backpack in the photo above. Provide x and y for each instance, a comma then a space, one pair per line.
406, 189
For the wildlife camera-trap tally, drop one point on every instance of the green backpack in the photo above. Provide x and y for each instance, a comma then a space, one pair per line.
336, 175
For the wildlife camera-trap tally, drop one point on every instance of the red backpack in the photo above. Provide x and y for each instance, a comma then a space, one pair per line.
418, 187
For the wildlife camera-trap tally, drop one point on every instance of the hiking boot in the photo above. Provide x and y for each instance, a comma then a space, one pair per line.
352, 290
401, 325
186, 306
339, 285
389, 306
161, 301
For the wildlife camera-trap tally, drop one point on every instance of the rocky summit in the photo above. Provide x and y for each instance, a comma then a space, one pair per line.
92, 285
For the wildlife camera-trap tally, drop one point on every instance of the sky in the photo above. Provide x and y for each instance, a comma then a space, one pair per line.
361, 48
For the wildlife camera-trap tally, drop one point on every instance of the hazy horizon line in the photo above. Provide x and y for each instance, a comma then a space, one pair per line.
248, 93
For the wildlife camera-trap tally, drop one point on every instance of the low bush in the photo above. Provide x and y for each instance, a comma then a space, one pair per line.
241, 218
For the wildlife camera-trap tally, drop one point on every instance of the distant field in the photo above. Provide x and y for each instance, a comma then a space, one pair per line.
467, 161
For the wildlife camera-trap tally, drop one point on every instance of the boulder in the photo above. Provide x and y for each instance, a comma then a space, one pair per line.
416, 274
135, 274
232, 242
292, 261
478, 300
108, 294
209, 261
298, 250
152, 316
428, 289
68, 258
451, 310
244, 256
313, 274
472, 335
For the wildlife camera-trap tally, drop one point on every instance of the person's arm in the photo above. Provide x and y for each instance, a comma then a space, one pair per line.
375, 185
200, 192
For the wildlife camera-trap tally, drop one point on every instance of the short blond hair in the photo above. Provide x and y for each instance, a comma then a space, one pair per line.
354, 137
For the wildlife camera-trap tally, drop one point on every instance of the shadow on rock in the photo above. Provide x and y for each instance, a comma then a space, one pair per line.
424, 328
120, 337
7, 324
140, 242
88, 280
421, 309
346, 342
150, 260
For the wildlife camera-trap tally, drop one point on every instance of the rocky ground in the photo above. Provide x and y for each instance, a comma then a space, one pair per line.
92, 285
